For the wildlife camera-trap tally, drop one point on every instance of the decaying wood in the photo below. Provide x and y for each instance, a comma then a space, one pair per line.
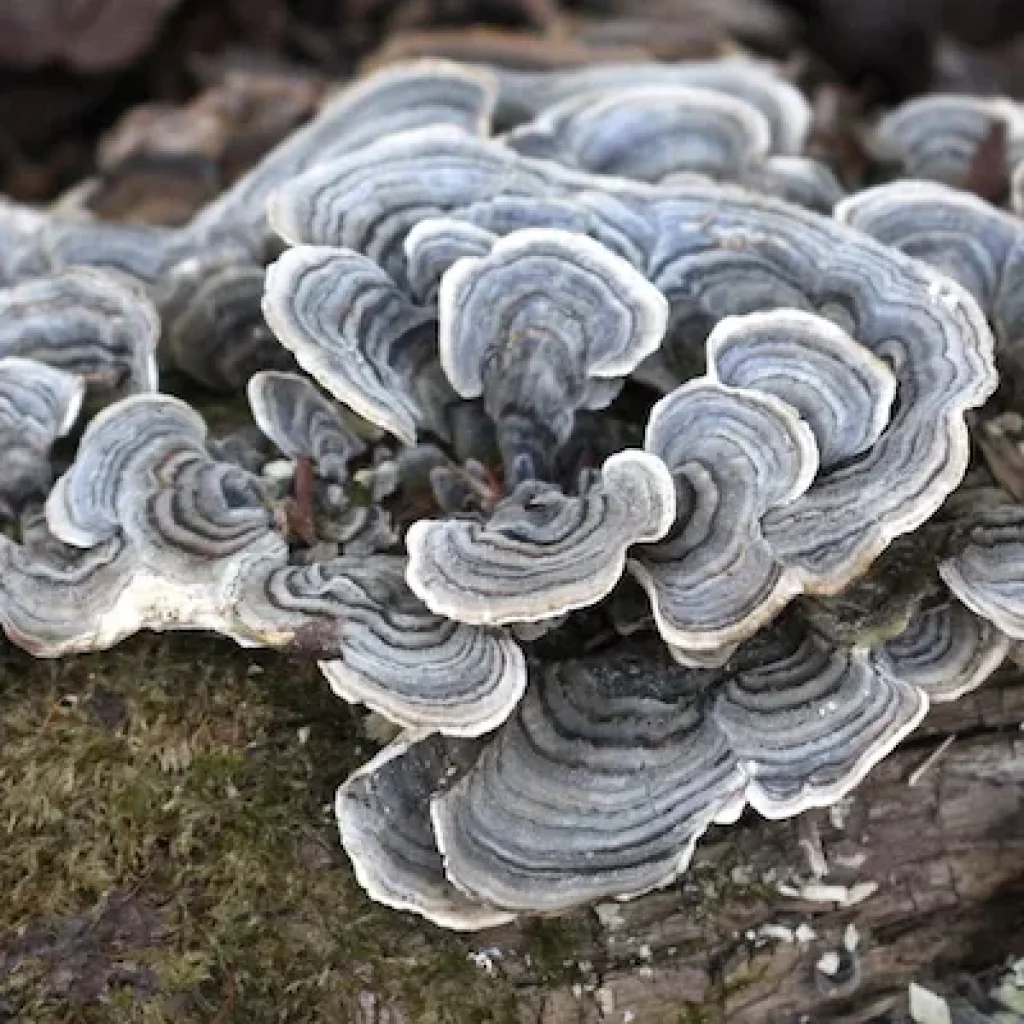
900, 882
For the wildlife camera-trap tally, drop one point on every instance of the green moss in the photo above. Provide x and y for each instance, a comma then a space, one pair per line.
552, 945
170, 855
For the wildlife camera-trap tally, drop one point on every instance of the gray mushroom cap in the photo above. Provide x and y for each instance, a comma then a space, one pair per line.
434, 245
192, 519
371, 356
535, 327
84, 508
379, 645
937, 136
57, 600
796, 179
649, 133
946, 650
613, 766
215, 331
38, 404
383, 813
304, 424
88, 323
522, 95
541, 553
733, 454
975, 243
987, 574
841, 390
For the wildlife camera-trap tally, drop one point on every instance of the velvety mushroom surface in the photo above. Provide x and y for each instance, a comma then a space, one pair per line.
590, 429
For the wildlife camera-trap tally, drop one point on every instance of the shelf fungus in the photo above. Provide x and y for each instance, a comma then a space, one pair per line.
649, 133
383, 813
38, 404
56, 599
987, 573
970, 240
356, 333
303, 424
378, 645
535, 328
610, 770
94, 325
938, 136
508, 307
789, 400
86, 504
523, 95
541, 553
946, 650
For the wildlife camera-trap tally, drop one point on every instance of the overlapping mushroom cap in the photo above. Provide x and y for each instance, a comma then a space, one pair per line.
87, 323
610, 770
987, 574
536, 328
38, 404
355, 332
960, 234
541, 553
303, 424
649, 133
389, 101
523, 95
937, 136
378, 645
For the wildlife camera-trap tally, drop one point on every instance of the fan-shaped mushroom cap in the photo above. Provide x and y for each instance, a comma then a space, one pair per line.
91, 324
383, 812
380, 645
925, 326
304, 424
522, 95
1017, 189
649, 133
838, 387
956, 232
808, 718
613, 766
433, 245
946, 650
987, 575
192, 519
734, 454
84, 506
38, 404
395, 99
530, 325
541, 553
952, 230
936, 136
57, 600
354, 331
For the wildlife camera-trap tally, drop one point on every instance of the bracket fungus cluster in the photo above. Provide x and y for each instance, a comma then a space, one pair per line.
583, 438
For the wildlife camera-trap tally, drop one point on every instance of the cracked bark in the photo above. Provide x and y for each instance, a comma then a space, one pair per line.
946, 855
